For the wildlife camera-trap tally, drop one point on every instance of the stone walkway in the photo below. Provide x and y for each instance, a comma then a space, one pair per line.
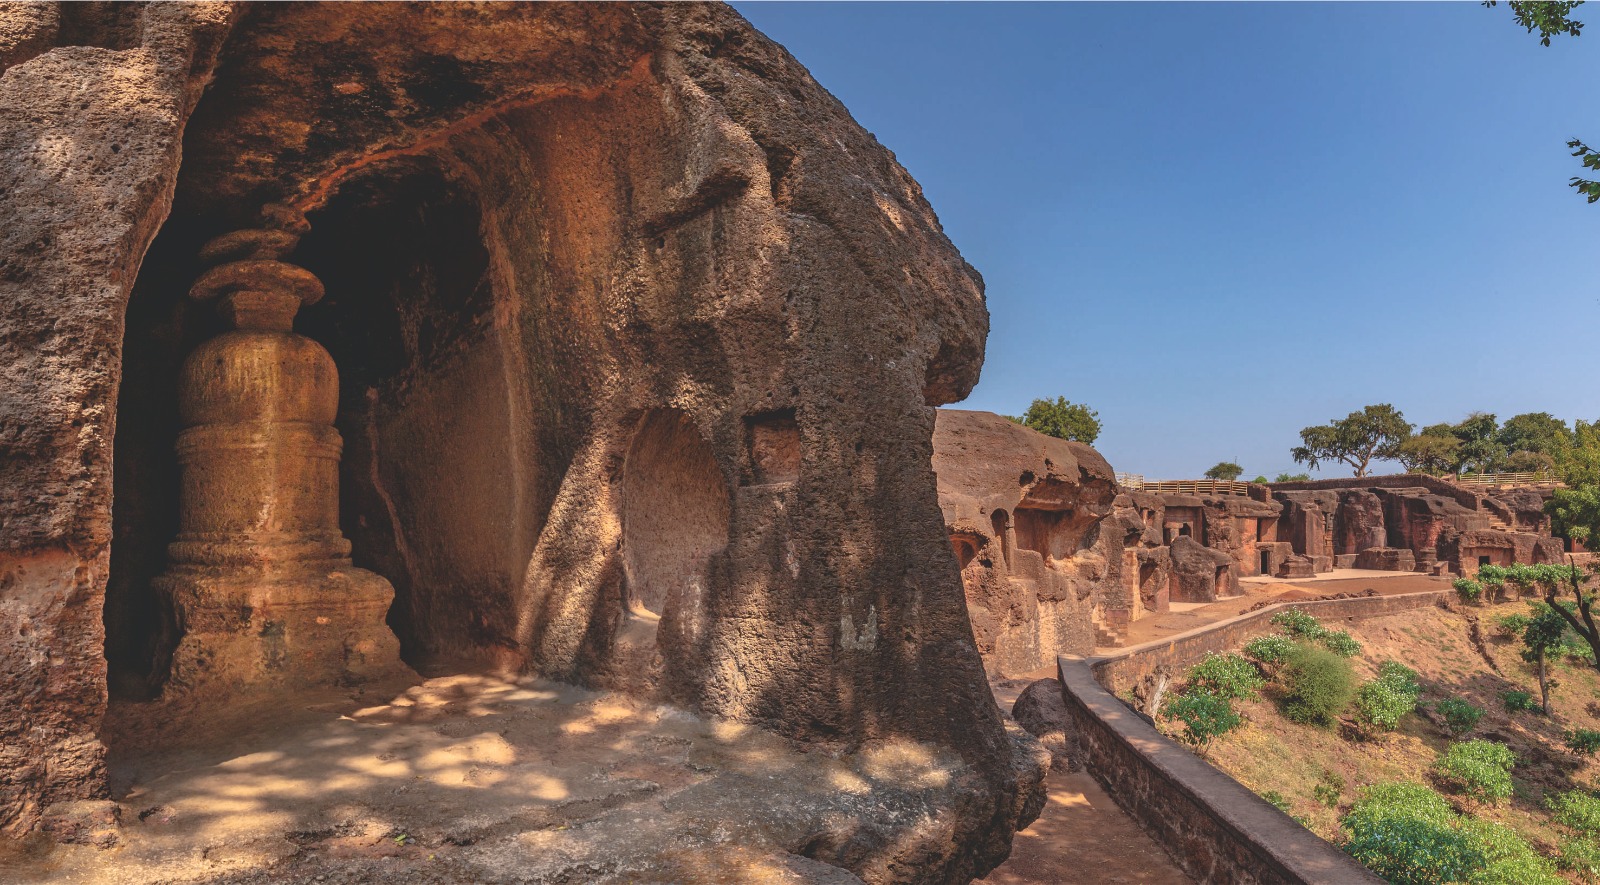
1082, 836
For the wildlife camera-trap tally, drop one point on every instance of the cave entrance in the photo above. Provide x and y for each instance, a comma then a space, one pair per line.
445, 476
1266, 562
1000, 523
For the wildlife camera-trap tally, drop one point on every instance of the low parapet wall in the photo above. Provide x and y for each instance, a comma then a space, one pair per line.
1465, 497
1125, 669
1217, 830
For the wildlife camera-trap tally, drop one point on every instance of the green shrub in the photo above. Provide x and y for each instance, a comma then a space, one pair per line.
1277, 800
1581, 856
1576, 809
1340, 643
1317, 686
1481, 769
1407, 834
1469, 590
1329, 789
1583, 741
1460, 717
1400, 672
1205, 717
1271, 650
1227, 676
1381, 703
1510, 859
1297, 623
1520, 702
1511, 626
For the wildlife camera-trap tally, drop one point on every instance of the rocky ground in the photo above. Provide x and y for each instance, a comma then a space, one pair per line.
475, 779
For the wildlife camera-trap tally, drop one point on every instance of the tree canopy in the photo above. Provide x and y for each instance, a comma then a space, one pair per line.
1062, 419
1553, 18
1225, 470
1374, 433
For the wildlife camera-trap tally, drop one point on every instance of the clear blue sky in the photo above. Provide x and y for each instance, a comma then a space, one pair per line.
1218, 223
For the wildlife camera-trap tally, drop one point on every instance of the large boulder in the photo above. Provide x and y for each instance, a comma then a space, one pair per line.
1042, 712
639, 337
1200, 574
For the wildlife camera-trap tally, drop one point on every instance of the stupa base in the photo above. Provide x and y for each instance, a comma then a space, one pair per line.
299, 626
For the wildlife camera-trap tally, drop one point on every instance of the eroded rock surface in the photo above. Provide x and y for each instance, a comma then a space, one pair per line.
474, 779
586, 265
1025, 513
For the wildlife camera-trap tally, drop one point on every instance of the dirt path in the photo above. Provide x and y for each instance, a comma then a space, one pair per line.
1184, 618
1083, 837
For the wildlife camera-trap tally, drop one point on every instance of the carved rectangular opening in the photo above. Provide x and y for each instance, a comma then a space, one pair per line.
773, 439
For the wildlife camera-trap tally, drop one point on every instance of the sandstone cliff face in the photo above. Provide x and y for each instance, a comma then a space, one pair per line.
638, 335
93, 102
1027, 515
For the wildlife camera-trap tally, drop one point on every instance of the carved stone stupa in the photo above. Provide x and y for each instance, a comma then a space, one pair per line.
259, 577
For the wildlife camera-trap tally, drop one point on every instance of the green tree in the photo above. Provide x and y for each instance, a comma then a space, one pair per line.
1062, 419
1551, 18
1432, 453
1293, 477
1539, 433
1575, 510
1375, 432
1481, 450
1541, 637
1225, 470
1575, 513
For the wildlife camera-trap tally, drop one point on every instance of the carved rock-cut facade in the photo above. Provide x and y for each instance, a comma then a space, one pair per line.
584, 264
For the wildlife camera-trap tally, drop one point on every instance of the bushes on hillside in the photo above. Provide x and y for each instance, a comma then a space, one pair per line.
1381, 703
1583, 741
1576, 809
1205, 706
1340, 643
1469, 590
1460, 717
1481, 769
1512, 626
1407, 834
1205, 717
1581, 856
1298, 624
1317, 686
1230, 677
1520, 702
1272, 650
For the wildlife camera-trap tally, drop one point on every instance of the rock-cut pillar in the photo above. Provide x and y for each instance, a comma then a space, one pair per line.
259, 578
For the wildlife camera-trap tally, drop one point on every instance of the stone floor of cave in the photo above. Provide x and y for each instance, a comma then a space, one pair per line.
478, 779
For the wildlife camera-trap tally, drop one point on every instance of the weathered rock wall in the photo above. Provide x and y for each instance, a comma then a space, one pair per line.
93, 99
580, 259
1032, 522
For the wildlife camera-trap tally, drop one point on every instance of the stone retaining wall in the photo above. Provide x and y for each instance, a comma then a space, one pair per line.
1465, 497
1125, 669
1217, 830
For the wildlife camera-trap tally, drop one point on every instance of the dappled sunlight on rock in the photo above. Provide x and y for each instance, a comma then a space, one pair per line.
907, 764
481, 779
